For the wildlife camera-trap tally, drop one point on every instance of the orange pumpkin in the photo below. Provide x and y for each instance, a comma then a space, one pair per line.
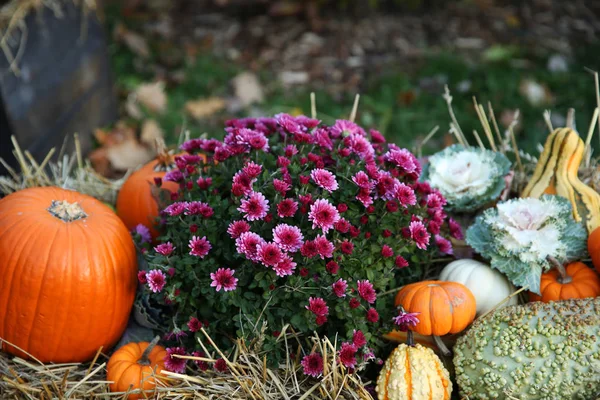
576, 281
443, 307
136, 202
594, 248
136, 367
69, 274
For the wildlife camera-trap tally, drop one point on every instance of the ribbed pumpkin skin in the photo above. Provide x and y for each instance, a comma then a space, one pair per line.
585, 283
594, 248
124, 370
67, 288
443, 307
413, 373
135, 203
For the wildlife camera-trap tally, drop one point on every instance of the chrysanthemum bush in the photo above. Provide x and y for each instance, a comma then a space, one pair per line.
291, 227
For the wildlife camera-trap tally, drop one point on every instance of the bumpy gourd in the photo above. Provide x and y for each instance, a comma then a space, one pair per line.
413, 373
538, 351
556, 173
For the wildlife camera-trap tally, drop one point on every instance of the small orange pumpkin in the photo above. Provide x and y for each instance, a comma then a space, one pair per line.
68, 271
594, 248
136, 367
136, 202
443, 307
576, 281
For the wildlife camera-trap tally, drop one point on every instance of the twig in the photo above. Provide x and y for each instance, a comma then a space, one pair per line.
313, 105
597, 88
571, 118
478, 139
494, 123
484, 123
548, 120
427, 139
459, 131
513, 139
354, 108
588, 140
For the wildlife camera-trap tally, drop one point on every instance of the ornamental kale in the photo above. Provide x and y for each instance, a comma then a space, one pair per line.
290, 227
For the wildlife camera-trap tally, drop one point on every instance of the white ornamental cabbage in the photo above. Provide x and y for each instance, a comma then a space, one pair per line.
468, 177
520, 235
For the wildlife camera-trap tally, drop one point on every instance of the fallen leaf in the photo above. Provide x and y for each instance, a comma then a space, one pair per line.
127, 155
151, 132
120, 133
248, 89
203, 108
134, 41
152, 96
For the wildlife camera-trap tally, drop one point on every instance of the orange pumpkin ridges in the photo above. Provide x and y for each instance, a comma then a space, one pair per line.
69, 274
594, 248
136, 366
576, 281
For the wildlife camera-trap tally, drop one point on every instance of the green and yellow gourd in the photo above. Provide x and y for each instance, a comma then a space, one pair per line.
556, 173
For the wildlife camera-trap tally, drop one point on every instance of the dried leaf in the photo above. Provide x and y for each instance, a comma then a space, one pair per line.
127, 155
134, 41
151, 131
248, 89
152, 96
118, 134
203, 108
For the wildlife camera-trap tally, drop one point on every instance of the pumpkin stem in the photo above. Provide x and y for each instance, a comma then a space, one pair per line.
564, 278
165, 159
410, 339
144, 360
441, 345
66, 211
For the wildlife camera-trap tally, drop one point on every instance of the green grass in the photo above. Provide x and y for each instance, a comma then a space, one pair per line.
382, 106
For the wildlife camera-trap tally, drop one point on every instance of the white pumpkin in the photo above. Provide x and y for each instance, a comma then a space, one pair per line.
488, 285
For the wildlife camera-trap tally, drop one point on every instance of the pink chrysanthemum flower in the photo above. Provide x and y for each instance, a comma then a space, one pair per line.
387, 185
364, 197
175, 364
285, 267
405, 195
455, 230
243, 182
224, 279
324, 247
252, 169
366, 291
347, 355
199, 208
165, 248
358, 339
194, 324
290, 150
281, 186
324, 179
287, 208
144, 233
269, 254
386, 251
359, 145
289, 238
321, 138
419, 234
361, 179
402, 158
317, 306
247, 244
435, 200
221, 365
173, 176
142, 277
202, 365
312, 365
236, 228
199, 247
156, 280
372, 315
339, 287
175, 209
344, 127
443, 244
323, 215
309, 249
256, 206
401, 262
405, 320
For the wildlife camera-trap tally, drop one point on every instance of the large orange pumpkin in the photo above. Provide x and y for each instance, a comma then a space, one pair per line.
68, 273
594, 248
135, 367
443, 307
576, 281
136, 204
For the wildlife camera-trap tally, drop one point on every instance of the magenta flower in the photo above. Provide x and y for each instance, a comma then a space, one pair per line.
317, 306
347, 247
256, 206
435, 200
156, 280
361, 179
366, 291
144, 233
419, 234
243, 182
347, 355
199, 247
455, 230
309, 249
285, 267
406, 320
287, 208
202, 365
323, 215
173, 176
281, 186
142, 277
199, 208
269, 254
403, 159
359, 145
443, 244
312, 364
339, 287
165, 248
290, 150
358, 339
247, 244
175, 364
386, 251
220, 365
236, 228
324, 247
344, 127
289, 238
194, 324
224, 279
175, 209
372, 315
401, 262
324, 179
252, 169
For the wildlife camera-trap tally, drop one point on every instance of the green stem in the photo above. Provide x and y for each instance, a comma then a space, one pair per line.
144, 360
